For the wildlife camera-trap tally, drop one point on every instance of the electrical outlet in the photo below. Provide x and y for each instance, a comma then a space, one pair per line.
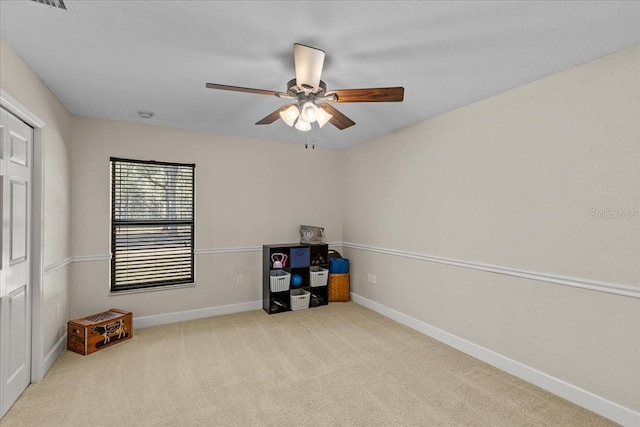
369, 278
373, 279
239, 280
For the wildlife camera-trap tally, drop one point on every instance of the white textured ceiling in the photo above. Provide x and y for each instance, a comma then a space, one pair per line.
108, 59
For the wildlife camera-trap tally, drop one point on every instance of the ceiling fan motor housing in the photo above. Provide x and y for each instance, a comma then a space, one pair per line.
295, 90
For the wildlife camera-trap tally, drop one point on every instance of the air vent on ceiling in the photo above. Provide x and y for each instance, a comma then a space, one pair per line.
53, 3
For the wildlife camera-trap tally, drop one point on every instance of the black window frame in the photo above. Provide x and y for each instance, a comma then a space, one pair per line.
119, 224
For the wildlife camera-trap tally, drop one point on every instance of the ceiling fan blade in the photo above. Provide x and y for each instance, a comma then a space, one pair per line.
308, 62
243, 89
273, 116
376, 94
339, 120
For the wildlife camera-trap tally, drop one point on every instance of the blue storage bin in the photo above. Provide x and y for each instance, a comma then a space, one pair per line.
299, 257
338, 266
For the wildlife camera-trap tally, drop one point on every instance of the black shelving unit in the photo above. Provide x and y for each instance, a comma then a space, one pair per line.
301, 264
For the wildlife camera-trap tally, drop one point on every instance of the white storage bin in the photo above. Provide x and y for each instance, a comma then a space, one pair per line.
279, 280
300, 299
319, 276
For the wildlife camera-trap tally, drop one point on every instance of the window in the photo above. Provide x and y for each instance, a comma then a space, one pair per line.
152, 224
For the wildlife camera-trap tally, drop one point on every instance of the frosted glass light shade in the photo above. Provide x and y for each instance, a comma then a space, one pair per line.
309, 112
290, 115
302, 125
323, 117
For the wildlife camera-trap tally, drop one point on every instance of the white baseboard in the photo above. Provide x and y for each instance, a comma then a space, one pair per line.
53, 355
182, 316
572, 393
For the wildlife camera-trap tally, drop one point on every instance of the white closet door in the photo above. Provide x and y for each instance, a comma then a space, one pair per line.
16, 148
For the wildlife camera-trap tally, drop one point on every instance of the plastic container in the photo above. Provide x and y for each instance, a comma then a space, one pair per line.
319, 276
300, 299
279, 280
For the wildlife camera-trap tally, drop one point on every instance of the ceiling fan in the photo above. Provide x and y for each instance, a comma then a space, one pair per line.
313, 103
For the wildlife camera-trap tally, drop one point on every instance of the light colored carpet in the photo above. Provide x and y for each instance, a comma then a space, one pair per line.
336, 365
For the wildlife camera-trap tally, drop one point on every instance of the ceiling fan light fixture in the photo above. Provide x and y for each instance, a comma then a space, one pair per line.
323, 117
290, 115
308, 90
309, 112
302, 125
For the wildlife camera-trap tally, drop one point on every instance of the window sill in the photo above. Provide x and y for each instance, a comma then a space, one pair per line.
152, 289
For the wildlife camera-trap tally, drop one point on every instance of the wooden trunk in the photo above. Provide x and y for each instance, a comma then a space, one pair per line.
102, 330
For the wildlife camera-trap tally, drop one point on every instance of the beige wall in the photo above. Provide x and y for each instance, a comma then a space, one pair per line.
508, 181
248, 193
511, 181
17, 79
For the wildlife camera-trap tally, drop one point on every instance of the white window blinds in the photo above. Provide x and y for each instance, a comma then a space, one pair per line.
152, 224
